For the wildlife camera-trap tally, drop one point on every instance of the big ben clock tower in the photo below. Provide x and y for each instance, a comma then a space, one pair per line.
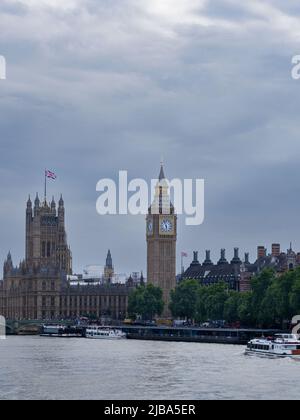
161, 241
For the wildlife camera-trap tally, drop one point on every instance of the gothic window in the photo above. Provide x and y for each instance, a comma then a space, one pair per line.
52, 301
44, 301
44, 286
44, 249
48, 249
52, 286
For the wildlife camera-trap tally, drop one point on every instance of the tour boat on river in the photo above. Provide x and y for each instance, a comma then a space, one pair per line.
282, 345
104, 333
61, 331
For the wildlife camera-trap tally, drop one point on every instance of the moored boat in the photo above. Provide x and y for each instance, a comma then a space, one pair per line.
282, 345
61, 331
104, 333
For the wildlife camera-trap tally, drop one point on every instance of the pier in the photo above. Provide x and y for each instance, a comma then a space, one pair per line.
179, 334
197, 335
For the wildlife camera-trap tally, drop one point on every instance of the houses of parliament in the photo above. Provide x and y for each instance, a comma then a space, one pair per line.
41, 287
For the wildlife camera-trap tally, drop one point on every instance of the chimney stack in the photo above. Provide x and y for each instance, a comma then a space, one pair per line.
207, 258
236, 258
195, 261
261, 252
275, 250
247, 258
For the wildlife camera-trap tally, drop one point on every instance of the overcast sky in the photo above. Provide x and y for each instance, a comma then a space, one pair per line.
97, 86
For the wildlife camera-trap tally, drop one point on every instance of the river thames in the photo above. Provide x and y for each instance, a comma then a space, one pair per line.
48, 368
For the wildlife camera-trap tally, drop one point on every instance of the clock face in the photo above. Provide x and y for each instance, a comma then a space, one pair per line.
166, 226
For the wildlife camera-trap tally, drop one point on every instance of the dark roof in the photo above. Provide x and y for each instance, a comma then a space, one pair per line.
213, 273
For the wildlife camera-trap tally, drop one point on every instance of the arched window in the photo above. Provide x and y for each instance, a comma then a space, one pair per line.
48, 249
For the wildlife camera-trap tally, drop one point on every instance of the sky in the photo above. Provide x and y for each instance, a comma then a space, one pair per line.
98, 86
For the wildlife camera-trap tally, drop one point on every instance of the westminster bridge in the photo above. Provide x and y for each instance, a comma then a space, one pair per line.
14, 327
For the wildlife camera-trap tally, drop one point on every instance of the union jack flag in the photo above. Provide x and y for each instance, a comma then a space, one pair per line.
184, 254
50, 174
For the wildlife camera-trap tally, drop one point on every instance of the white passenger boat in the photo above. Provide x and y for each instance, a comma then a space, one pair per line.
104, 333
282, 345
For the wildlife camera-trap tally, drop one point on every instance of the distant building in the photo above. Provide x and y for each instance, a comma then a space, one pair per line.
42, 286
209, 273
238, 274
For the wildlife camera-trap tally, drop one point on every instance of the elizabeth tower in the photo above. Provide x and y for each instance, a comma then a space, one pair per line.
161, 241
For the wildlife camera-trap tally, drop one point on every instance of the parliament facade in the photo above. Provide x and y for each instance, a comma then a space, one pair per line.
39, 288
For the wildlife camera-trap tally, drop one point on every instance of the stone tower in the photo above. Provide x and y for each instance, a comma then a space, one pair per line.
109, 268
46, 239
161, 241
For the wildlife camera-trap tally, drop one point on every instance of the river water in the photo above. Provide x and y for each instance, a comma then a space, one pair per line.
49, 368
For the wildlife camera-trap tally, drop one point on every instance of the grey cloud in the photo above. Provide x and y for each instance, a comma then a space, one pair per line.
104, 86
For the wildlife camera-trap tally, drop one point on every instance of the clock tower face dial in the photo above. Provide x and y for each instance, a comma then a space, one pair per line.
166, 225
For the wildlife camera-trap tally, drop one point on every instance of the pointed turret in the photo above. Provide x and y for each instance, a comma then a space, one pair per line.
162, 173
53, 205
162, 202
37, 201
61, 202
142, 279
61, 211
29, 203
109, 268
109, 263
37, 204
8, 265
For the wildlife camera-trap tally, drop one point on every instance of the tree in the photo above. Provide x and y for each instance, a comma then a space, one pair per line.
231, 307
245, 314
268, 314
184, 299
294, 297
146, 301
260, 285
201, 309
215, 303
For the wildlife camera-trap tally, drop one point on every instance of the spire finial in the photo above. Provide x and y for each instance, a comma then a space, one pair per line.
162, 173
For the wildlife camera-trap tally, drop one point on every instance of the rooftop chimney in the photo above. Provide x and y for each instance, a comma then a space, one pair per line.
261, 252
236, 258
223, 257
207, 258
275, 250
247, 258
195, 261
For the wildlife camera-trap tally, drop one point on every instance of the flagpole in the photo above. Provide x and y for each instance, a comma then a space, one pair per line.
45, 187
